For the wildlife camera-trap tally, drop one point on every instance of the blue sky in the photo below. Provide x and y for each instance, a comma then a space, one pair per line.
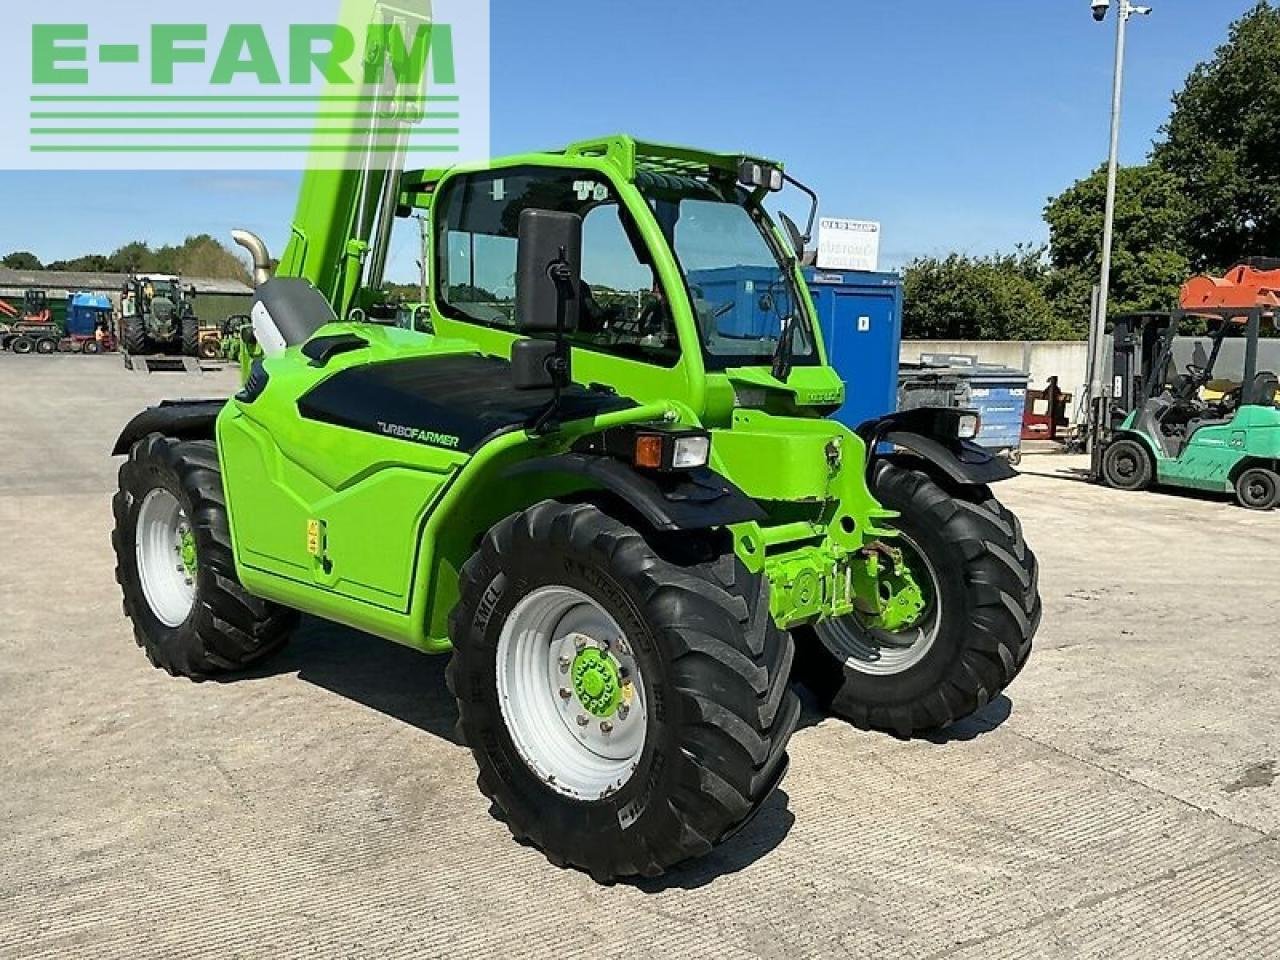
952, 121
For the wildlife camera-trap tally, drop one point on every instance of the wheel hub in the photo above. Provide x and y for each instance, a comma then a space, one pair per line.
571, 692
596, 682
187, 550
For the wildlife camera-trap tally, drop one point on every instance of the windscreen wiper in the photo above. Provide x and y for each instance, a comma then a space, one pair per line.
784, 355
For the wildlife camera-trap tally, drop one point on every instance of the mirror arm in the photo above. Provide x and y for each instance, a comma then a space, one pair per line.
561, 274
813, 205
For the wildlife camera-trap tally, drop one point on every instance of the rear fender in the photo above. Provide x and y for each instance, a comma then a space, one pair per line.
180, 419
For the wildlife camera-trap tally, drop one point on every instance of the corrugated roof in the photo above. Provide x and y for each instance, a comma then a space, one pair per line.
73, 281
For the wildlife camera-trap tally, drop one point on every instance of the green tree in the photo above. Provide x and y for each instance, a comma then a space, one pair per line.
22, 260
1223, 142
1000, 297
1148, 266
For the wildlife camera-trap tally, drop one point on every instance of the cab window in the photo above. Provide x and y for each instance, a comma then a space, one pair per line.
624, 311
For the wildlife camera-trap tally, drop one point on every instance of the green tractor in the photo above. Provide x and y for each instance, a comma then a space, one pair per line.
157, 315
618, 506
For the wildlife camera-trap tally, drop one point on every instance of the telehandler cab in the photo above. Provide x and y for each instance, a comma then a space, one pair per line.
616, 504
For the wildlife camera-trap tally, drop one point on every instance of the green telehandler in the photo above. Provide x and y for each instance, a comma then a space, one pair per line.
619, 507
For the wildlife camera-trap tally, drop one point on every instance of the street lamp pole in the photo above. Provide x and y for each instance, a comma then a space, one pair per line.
1098, 332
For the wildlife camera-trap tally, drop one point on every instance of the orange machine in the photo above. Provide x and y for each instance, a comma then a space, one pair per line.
1243, 288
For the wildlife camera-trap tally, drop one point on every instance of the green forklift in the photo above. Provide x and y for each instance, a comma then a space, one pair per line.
620, 509
1185, 426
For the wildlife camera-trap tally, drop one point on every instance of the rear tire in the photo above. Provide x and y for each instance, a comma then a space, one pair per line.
46, 347
133, 335
984, 613
1258, 489
91, 347
22, 345
1126, 465
190, 615
712, 682
190, 337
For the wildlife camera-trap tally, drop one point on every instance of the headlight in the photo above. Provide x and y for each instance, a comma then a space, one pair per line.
672, 450
969, 426
691, 452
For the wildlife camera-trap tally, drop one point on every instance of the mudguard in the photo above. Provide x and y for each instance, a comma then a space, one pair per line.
692, 500
180, 419
932, 435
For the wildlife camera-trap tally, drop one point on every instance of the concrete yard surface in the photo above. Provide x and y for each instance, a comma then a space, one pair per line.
1121, 801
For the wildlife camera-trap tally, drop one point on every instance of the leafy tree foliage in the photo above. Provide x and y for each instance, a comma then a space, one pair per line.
198, 256
1000, 297
1223, 143
1148, 266
22, 260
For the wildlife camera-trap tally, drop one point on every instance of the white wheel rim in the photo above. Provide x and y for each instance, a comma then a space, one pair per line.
545, 639
848, 638
167, 584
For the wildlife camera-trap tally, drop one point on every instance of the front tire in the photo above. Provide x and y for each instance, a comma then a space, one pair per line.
190, 337
176, 569
133, 335
710, 709
1126, 465
974, 634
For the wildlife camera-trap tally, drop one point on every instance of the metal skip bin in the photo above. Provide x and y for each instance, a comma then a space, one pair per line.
999, 394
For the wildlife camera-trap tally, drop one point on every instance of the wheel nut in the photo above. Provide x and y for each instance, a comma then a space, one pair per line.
582, 720
580, 642
606, 727
565, 663
564, 693
623, 710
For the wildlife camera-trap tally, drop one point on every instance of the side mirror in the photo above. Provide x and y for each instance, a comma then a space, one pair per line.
549, 272
794, 235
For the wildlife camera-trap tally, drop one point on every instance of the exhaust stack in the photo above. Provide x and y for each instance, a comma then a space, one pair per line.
258, 250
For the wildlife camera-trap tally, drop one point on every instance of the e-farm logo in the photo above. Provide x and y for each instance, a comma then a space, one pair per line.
373, 83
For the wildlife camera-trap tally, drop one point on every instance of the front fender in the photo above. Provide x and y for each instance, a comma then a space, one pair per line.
696, 500
932, 434
962, 461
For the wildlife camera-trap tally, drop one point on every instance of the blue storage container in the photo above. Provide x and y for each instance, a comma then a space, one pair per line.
861, 319
860, 315
999, 394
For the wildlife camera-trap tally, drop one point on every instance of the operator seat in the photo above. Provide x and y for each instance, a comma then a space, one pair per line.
287, 311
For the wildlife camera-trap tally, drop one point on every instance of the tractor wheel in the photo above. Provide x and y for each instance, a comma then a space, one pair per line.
22, 345
176, 569
976, 611
190, 337
46, 346
1126, 465
1258, 489
627, 710
133, 335
210, 348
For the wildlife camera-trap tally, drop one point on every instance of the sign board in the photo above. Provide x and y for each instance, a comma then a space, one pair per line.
848, 244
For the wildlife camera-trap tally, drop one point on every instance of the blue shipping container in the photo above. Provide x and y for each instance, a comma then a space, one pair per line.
861, 319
